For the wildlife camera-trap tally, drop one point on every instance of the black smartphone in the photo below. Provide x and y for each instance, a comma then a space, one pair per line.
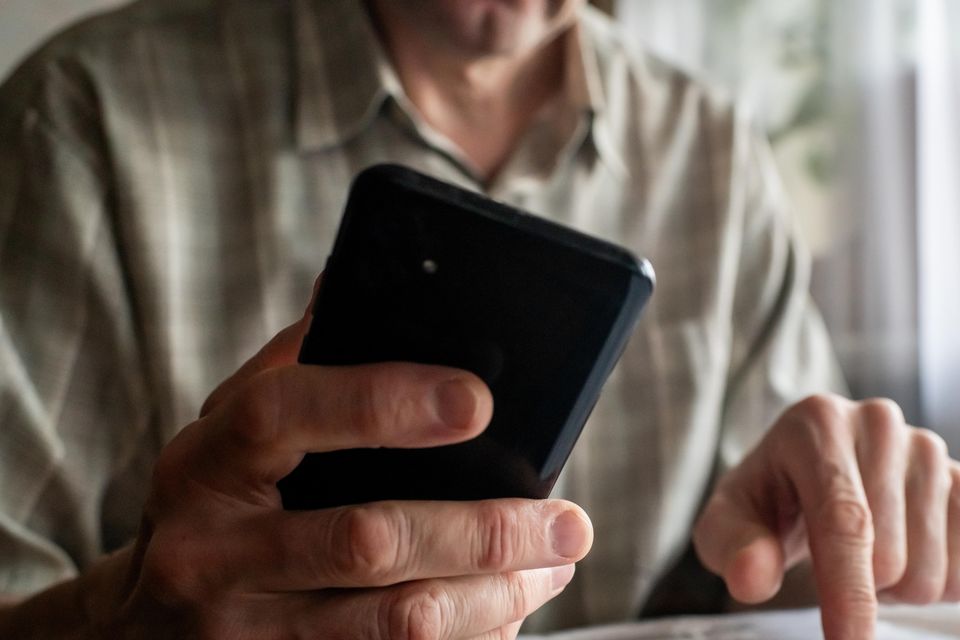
427, 272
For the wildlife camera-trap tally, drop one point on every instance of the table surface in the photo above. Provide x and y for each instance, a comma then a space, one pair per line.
937, 622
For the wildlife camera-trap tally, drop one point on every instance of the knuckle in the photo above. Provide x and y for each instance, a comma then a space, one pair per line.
930, 464
167, 476
420, 614
846, 520
882, 411
171, 574
255, 410
369, 545
498, 538
883, 421
821, 421
825, 409
374, 404
929, 446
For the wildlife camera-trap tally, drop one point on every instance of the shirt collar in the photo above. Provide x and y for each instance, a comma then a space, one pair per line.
584, 89
344, 77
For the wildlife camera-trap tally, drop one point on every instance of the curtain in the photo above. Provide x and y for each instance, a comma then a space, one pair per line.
861, 99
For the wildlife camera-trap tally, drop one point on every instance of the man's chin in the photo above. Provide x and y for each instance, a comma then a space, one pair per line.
500, 31
477, 29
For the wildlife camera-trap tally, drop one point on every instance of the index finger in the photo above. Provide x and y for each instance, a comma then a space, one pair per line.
820, 459
261, 432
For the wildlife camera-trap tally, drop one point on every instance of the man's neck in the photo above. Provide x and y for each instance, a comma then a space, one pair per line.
483, 104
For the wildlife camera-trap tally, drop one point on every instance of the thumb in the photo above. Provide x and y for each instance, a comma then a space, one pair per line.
734, 541
281, 350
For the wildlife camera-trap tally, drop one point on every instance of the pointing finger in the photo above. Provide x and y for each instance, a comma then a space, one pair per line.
820, 458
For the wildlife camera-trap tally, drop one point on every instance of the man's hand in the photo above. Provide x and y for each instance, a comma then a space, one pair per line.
217, 557
873, 501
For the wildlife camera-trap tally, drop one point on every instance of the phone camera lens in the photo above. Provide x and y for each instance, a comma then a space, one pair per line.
429, 267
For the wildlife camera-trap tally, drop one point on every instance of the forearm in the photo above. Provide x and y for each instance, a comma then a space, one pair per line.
71, 610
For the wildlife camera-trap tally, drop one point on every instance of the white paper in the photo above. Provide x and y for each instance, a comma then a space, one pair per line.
938, 622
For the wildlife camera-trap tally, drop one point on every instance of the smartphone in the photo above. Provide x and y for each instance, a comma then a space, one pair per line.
424, 271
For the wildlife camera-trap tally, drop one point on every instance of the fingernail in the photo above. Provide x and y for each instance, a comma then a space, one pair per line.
561, 576
568, 534
456, 403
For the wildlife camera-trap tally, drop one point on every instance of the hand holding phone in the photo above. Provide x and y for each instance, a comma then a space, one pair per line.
217, 555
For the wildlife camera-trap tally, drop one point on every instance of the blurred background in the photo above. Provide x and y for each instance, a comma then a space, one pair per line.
861, 100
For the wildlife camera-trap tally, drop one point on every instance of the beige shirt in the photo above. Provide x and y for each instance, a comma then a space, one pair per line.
171, 178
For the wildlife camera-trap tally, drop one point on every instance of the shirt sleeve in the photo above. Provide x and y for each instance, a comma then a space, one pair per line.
780, 349
71, 400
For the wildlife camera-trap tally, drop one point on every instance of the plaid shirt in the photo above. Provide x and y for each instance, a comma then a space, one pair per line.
171, 178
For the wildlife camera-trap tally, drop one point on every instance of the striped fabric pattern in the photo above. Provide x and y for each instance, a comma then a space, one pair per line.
171, 177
